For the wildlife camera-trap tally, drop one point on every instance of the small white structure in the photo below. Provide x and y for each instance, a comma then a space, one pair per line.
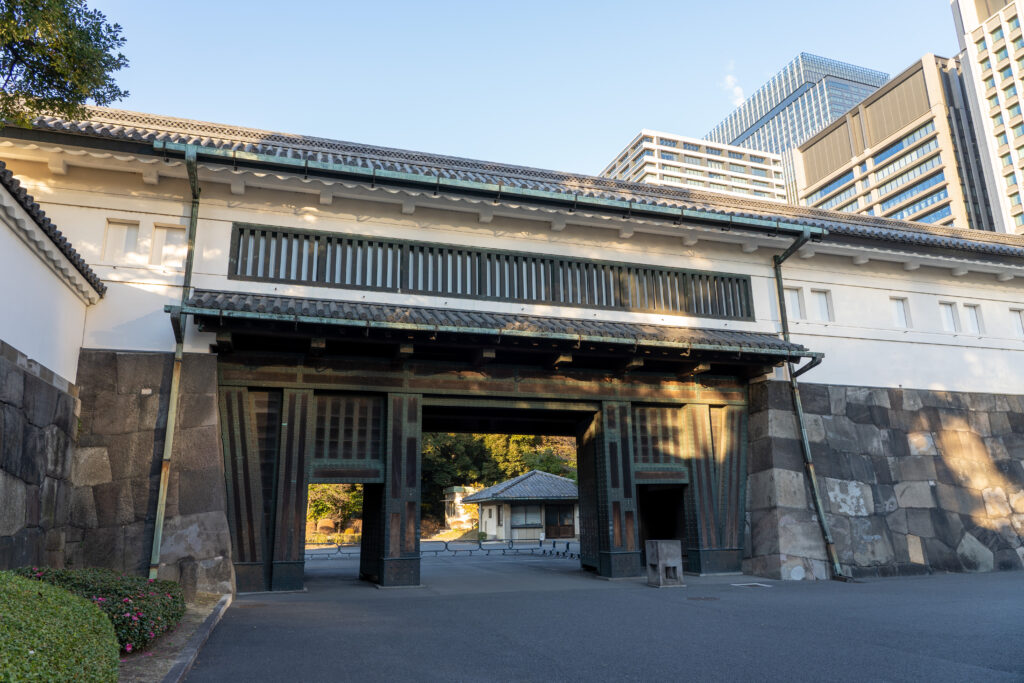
533, 506
458, 515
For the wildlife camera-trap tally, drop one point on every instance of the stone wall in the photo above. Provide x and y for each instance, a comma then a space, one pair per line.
37, 424
913, 481
116, 469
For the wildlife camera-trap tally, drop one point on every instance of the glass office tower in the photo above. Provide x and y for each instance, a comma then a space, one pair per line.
808, 94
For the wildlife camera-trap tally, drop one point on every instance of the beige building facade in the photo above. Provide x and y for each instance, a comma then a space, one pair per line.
906, 152
670, 160
993, 55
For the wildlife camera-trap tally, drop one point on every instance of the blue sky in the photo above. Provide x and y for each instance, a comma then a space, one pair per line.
562, 85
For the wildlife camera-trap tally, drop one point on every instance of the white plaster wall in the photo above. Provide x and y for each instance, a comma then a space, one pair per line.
39, 313
861, 345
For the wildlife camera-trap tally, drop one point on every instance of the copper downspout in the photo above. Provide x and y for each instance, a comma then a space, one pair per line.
178, 323
805, 446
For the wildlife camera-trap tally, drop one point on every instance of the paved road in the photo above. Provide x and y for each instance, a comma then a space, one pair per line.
542, 619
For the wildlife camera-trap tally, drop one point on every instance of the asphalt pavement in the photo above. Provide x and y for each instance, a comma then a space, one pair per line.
524, 618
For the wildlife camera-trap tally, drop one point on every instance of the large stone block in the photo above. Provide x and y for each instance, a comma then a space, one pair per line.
103, 547
39, 402
198, 410
980, 403
138, 547
769, 453
152, 411
851, 498
12, 504
842, 434
872, 545
816, 399
979, 423
137, 372
57, 449
914, 494
897, 521
911, 400
12, 383
1016, 500
894, 443
839, 526
133, 455
958, 499
1008, 560
199, 374
782, 424
115, 414
30, 464
777, 488
999, 424
33, 505
216, 575
974, 556
97, 372
200, 536
145, 491
837, 400
940, 556
764, 532
815, 428
870, 438
201, 491
800, 535
862, 468
883, 469
948, 527
54, 499
915, 549
996, 504
885, 499
114, 505
83, 508
916, 468
919, 522
196, 448
921, 443
90, 466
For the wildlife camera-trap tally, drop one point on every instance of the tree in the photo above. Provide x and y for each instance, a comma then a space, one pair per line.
338, 502
55, 56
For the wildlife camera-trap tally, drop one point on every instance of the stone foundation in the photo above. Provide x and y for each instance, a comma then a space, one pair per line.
37, 425
913, 481
116, 469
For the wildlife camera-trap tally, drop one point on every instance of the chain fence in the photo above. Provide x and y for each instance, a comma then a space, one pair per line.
433, 548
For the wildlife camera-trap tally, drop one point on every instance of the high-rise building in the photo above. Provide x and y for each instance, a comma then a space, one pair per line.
906, 152
796, 103
671, 160
993, 55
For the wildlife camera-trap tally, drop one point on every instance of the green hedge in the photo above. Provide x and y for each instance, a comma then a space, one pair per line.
141, 610
46, 633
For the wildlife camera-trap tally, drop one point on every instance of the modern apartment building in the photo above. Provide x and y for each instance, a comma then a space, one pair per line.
993, 54
661, 158
906, 152
805, 96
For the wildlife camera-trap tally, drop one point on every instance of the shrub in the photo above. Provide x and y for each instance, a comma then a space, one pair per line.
140, 609
46, 633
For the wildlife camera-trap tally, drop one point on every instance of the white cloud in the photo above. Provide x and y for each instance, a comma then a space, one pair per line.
731, 85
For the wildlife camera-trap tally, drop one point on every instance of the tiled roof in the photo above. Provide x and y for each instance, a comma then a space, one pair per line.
122, 125
602, 331
534, 485
25, 200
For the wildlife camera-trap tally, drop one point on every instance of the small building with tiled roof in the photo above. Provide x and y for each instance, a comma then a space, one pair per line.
533, 506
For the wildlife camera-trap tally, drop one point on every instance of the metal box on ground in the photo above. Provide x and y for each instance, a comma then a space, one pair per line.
664, 563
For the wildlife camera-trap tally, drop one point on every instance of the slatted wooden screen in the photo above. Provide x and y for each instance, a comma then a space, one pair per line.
348, 439
271, 254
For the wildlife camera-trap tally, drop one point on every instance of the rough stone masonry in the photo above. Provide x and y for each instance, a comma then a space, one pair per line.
913, 481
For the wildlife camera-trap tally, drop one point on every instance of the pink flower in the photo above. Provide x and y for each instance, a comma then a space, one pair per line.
151, 634
135, 618
151, 581
128, 647
127, 600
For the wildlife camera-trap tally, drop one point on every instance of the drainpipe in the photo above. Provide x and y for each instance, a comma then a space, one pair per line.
805, 446
178, 324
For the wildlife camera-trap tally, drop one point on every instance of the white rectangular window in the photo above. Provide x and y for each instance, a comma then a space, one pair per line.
525, 515
168, 246
821, 305
972, 319
121, 241
950, 319
794, 303
1018, 320
900, 312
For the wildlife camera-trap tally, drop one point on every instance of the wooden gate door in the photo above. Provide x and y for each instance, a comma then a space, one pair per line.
265, 435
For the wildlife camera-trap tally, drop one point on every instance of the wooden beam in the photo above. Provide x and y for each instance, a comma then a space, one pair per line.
634, 363
695, 370
560, 360
317, 345
225, 343
484, 356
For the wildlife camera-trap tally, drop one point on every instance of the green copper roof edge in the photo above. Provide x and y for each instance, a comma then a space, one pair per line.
595, 339
574, 199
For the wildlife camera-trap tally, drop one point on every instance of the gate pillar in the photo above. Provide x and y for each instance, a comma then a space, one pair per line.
390, 554
609, 538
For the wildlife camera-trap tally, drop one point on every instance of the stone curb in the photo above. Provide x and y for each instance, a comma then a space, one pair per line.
187, 657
